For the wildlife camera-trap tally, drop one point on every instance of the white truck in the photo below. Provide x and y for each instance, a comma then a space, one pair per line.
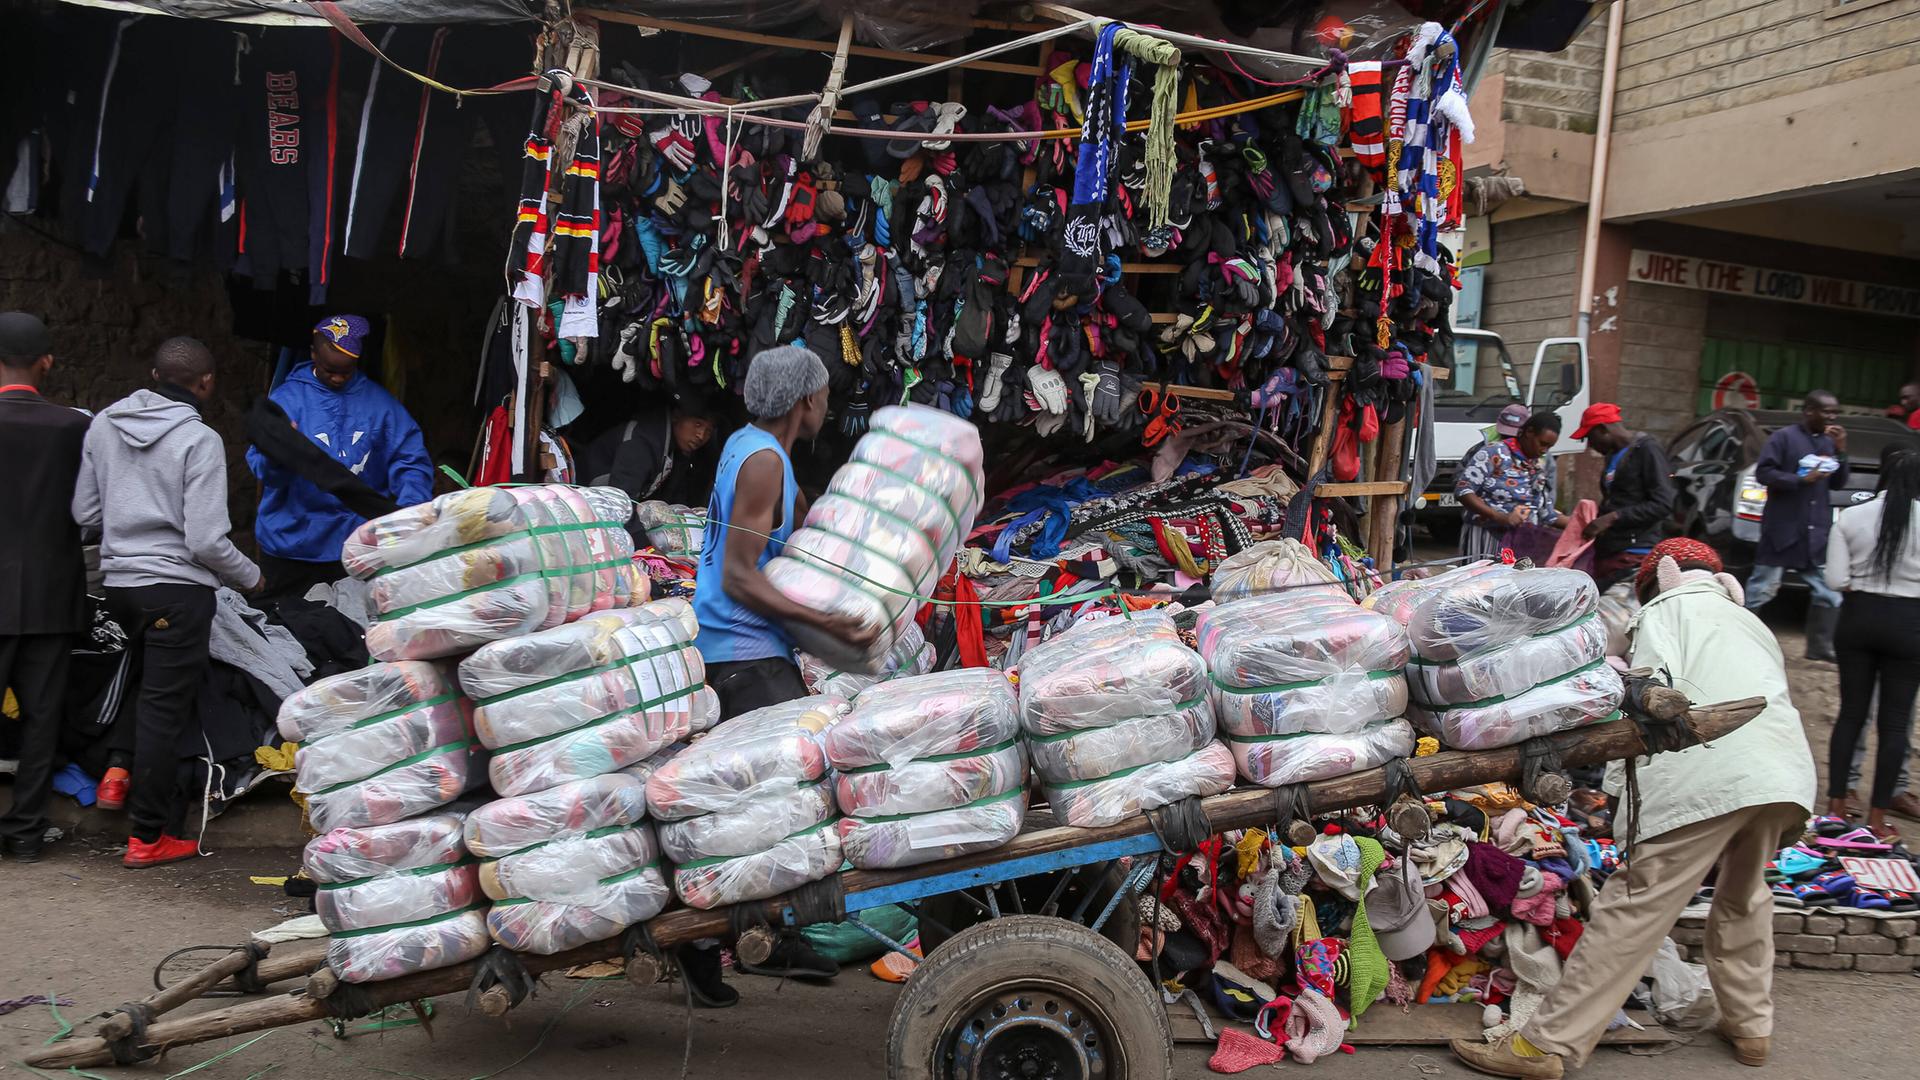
1483, 381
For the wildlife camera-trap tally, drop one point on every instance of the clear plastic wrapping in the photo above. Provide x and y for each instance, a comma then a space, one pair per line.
1495, 608
673, 530
363, 698
765, 750
1274, 567
911, 655
784, 866
1588, 695
1510, 669
396, 898
569, 869
356, 724
483, 564
545, 927
407, 788
359, 956
951, 712
891, 520
1277, 760
888, 843
507, 825
348, 854
390, 874
1398, 599
747, 828
1104, 673
942, 783
1095, 752
1287, 664
1108, 801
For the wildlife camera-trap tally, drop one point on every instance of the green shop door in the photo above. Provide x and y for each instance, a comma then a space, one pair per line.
1784, 373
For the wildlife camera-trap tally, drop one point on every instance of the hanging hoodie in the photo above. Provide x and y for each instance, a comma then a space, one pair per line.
367, 431
165, 520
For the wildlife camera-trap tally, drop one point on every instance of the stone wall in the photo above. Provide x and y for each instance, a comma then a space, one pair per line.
1553, 90
1531, 281
1822, 941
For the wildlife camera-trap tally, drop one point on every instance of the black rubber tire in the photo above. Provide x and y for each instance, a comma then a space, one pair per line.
1054, 956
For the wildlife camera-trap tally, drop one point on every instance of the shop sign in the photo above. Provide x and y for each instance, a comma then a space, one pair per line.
1736, 390
1791, 286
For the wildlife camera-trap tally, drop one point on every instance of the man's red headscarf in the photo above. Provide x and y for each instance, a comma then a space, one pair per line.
1682, 551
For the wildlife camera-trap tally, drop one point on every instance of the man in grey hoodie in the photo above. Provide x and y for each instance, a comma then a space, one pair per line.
153, 481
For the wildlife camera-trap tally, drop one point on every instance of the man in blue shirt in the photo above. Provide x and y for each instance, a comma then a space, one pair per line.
302, 527
1798, 467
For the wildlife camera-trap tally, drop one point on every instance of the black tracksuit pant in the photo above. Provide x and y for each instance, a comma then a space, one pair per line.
168, 628
35, 667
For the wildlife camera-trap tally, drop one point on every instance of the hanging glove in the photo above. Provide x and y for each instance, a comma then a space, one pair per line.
997, 365
1108, 405
858, 410
949, 114
1047, 391
673, 144
1089, 386
626, 360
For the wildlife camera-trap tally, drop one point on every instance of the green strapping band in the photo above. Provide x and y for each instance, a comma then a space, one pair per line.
559, 571
629, 875
1179, 707
418, 871
1247, 740
440, 699
1415, 661
960, 755
1277, 688
505, 537
415, 759
917, 486
1069, 785
983, 801
882, 511
612, 665
603, 721
590, 834
448, 917
699, 863
799, 553
1497, 699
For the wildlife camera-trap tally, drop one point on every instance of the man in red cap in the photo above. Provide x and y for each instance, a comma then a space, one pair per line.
1637, 493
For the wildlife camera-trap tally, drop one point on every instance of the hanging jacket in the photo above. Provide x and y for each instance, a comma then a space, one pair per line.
366, 430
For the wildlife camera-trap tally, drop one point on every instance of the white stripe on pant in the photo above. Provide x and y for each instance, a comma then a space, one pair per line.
1662, 874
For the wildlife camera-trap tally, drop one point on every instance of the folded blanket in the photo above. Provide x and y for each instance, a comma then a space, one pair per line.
1276, 760
787, 865
1586, 696
1113, 799
909, 840
1286, 664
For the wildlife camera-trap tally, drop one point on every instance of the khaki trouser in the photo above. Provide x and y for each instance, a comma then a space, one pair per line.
1664, 872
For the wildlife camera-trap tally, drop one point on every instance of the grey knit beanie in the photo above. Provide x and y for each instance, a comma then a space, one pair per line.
780, 378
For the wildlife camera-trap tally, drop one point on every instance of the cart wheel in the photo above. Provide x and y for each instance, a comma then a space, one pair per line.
1029, 997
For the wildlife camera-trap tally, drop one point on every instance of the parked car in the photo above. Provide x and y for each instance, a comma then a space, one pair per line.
1720, 501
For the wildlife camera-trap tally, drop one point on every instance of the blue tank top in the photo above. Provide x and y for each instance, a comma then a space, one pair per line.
728, 631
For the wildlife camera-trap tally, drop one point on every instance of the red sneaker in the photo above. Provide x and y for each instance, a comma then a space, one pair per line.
112, 792
167, 849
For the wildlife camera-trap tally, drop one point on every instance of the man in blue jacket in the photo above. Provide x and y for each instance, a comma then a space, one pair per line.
302, 525
1799, 467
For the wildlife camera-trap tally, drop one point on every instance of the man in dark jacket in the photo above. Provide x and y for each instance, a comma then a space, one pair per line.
1637, 493
1799, 467
42, 581
649, 457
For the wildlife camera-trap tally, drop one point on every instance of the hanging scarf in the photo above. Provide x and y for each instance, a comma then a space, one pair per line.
559, 233
1081, 247
1166, 93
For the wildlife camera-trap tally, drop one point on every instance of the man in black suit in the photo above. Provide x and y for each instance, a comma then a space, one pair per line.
42, 579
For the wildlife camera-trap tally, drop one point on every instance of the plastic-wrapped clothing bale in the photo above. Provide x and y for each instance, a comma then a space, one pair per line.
885, 530
1509, 670
545, 928
676, 531
383, 743
1586, 696
484, 564
1277, 760
1492, 609
359, 956
386, 875
1398, 599
1288, 664
507, 825
911, 655
883, 843
1091, 753
1113, 799
1104, 673
747, 828
591, 697
788, 864
1283, 567
760, 752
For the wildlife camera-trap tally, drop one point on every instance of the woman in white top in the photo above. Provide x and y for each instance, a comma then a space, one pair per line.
1874, 558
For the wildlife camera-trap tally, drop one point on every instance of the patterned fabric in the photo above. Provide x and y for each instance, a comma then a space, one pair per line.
1506, 478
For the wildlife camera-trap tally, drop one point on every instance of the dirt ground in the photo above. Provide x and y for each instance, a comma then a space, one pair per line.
78, 925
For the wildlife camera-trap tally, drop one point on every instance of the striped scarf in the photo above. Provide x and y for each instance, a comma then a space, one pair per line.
1365, 119
558, 233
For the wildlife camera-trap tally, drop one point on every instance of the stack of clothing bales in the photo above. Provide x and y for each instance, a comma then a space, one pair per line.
590, 697
747, 812
884, 532
1502, 655
397, 898
928, 768
381, 744
1118, 720
569, 865
911, 655
484, 564
1307, 685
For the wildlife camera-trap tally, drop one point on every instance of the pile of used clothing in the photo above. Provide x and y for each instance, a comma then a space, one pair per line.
748, 812
928, 768
397, 898
1503, 655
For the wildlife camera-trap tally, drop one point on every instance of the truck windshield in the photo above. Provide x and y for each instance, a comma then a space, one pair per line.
1481, 383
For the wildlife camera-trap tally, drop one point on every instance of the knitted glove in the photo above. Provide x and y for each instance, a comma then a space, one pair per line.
626, 360
1104, 392
673, 144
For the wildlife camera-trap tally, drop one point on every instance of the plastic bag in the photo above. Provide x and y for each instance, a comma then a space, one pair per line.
676, 531
750, 826
1618, 607
1497, 608
951, 712
1682, 996
1104, 673
1277, 760
1296, 663
786, 865
570, 868
920, 787
507, 825
1398, 599
762, 751
887, 527
545, 928
909, 840
843, 943
407, 788
1095, 752
389, 874
911, 655
1510, 669
359, 956
1587, 696
1283, 567
356, 724
1110, 800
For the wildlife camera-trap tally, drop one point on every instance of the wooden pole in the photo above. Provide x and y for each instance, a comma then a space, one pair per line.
802, 44
119, 1025
1383, 517
1235, 810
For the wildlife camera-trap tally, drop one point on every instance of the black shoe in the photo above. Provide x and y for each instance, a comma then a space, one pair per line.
25, 850
700, 972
